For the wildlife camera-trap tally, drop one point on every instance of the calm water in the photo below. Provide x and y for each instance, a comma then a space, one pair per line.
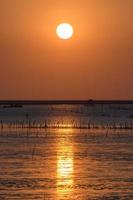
66, 164
68, 115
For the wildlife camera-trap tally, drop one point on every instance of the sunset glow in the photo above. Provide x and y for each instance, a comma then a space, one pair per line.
65, 165
69, 49
66, 100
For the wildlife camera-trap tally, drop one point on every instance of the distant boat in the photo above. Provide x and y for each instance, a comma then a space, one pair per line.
89, 102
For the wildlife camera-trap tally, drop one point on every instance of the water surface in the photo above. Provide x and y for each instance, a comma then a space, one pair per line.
66, 164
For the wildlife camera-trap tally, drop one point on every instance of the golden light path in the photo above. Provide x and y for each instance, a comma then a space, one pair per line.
65, 166
64, 31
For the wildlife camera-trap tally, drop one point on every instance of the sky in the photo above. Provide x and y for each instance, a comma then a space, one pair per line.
96, 63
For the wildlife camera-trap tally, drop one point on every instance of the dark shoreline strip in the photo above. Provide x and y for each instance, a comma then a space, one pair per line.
63, 102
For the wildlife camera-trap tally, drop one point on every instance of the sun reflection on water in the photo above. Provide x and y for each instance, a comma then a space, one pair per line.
65, 166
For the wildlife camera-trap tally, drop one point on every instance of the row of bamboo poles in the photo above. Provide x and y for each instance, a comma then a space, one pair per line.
62, 125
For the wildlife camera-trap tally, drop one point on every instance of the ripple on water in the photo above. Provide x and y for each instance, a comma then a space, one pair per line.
66, 165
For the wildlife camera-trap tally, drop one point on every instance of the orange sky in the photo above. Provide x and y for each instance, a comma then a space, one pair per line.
96, 63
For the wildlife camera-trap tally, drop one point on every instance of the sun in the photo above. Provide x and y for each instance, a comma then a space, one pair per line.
64, 31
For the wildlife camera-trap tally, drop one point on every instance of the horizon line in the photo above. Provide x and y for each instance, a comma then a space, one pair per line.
44, 102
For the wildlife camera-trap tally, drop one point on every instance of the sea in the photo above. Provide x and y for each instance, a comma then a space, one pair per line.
66, 152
